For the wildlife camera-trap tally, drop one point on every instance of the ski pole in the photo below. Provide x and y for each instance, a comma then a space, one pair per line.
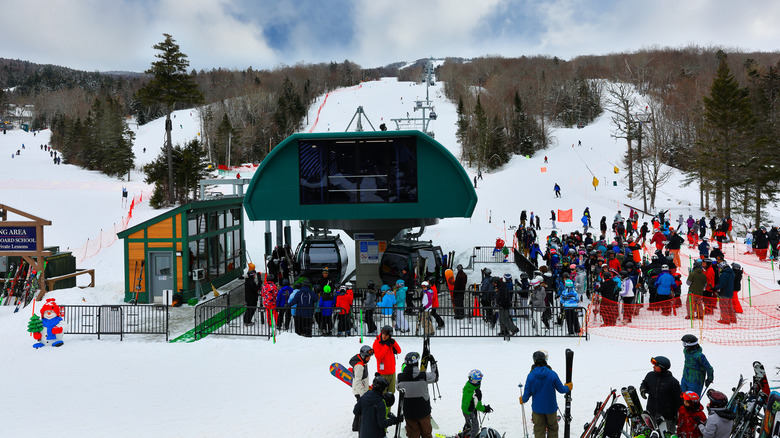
361, 325
750, 293
522, 405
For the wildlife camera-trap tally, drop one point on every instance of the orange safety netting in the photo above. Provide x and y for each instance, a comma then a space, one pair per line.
669, 320
105, 239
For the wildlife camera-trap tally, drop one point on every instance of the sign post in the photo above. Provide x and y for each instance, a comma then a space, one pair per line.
24, 239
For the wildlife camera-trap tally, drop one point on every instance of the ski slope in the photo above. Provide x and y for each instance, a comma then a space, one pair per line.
253, 387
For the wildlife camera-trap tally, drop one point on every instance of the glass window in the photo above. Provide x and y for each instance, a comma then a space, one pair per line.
312, 173
366, 171
394, 264
192, 224
236, 215
321, 254
221, 219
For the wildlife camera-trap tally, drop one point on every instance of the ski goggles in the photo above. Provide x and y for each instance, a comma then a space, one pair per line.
654, 362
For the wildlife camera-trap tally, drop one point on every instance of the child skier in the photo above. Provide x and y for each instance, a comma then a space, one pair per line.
697, 371
689, 416
720, 419
471, 403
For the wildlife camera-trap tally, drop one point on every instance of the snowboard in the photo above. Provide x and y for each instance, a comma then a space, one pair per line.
450, 276
633, 402
615, 420
771, 425
341, 372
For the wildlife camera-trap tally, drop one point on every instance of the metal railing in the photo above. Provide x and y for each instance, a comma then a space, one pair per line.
466, 322
123, 319
489, 254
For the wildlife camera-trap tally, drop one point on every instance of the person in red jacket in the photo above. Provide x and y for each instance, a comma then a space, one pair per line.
658, 239
385, 349
689, 416
709, 290
436, 316
344, 298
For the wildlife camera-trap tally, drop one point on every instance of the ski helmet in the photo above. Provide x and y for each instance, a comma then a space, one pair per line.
366, 351
488, 432
487, 271
475, 376
370, 284
736, 266
386, 329
689, 340
661, 362
412, 358
251, 266
540, 357
380, 384
690, 396
384, 288
717, 398
536, 281
399, 282
326, 289
569, 283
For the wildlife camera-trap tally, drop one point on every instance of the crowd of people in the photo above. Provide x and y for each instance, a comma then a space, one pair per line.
616, 276
673, 404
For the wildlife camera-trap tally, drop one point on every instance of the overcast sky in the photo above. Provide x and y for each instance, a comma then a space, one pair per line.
110, 35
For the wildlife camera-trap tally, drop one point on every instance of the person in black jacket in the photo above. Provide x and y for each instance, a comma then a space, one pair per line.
458, 292
372, 409
251, 289
608, 291
504, 301
662, 391
417, 401
673, 245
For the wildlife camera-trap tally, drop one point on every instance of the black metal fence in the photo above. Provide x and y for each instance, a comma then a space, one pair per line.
490, 254
123, 319
467, 322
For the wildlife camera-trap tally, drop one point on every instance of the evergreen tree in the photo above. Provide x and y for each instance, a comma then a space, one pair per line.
481, 133
497, 153
170, 85
462, 133
190, 167
728, 119
290, 111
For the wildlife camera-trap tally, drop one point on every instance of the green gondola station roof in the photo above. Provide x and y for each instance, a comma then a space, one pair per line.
440, 186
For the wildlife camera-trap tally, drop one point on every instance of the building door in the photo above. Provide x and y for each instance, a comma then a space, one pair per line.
161, 274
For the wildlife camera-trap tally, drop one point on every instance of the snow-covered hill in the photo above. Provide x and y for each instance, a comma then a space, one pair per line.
252, 387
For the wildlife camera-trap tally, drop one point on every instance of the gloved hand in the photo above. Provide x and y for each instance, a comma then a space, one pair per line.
399, 419
488, 409
521, 399
707, 382
357, 397
56, 330
643, 393
393, 419
569, 385
37, 336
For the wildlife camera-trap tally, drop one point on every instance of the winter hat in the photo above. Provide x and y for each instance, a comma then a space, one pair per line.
540, 357
384, 288
399, 282
251, 266
662, 362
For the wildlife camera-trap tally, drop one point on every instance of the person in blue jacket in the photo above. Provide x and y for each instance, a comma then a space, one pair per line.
304, 301
282, 297
664, 285
570, 301
541, 384
387, 302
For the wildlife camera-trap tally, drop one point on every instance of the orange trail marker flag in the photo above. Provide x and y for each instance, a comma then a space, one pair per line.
544, 169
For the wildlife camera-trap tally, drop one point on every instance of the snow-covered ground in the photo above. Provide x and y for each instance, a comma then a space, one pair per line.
253, 387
